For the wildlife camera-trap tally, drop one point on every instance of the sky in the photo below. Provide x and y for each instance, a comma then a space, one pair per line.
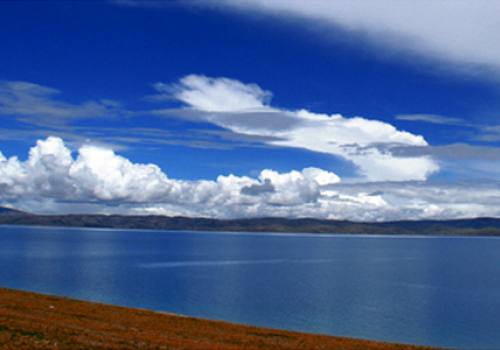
367, 111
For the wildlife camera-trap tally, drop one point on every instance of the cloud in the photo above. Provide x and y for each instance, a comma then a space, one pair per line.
54, 180
420, 200
464, 33
40, 111
244, 109
257, 189
459, 160
490, 133
98, 175
38, 104
481, 132
217, 94
431, 118
454, 152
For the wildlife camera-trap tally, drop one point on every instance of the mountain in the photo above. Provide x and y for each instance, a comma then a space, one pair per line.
480, 226
9, 211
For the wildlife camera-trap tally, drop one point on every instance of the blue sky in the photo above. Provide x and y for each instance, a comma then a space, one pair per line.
392, 105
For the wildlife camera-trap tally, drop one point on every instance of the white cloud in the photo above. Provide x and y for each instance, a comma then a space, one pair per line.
424, 200
242, 109
217, 95
98, 175
52, 180
461, 32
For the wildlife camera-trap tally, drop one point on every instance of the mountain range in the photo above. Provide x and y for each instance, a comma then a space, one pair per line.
476, 226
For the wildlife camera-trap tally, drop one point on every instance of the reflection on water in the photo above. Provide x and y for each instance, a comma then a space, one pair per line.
437, 291
170, 264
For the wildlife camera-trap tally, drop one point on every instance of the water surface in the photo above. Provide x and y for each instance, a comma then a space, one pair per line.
441, 291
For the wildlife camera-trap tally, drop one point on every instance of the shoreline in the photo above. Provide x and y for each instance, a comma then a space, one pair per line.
254, 233
481, 226
40, 321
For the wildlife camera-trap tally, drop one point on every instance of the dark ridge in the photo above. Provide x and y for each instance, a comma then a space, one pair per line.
478, 226
9, 211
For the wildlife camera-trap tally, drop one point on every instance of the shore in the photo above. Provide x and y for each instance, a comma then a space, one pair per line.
457, 227
37, 321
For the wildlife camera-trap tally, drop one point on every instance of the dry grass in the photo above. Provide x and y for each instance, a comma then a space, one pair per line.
35, 321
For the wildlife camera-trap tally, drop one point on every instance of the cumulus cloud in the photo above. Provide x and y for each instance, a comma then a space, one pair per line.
98, 175
245, 109
462, 32
54, 180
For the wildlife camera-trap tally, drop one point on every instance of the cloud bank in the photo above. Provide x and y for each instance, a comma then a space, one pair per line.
391, 184
96, 179
244, 109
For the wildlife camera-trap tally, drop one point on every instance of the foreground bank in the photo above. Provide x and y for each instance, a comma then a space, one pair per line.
36, 321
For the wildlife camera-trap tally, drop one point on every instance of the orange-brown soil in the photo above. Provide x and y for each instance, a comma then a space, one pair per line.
35, 321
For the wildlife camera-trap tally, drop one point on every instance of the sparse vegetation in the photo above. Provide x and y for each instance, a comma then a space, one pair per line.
35, 321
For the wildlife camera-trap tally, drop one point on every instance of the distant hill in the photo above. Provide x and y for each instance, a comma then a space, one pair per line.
480, 226
7, 211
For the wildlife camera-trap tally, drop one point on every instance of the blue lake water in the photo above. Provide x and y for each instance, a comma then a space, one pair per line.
442, 291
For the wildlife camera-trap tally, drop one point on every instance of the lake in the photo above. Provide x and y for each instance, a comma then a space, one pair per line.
441, 291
